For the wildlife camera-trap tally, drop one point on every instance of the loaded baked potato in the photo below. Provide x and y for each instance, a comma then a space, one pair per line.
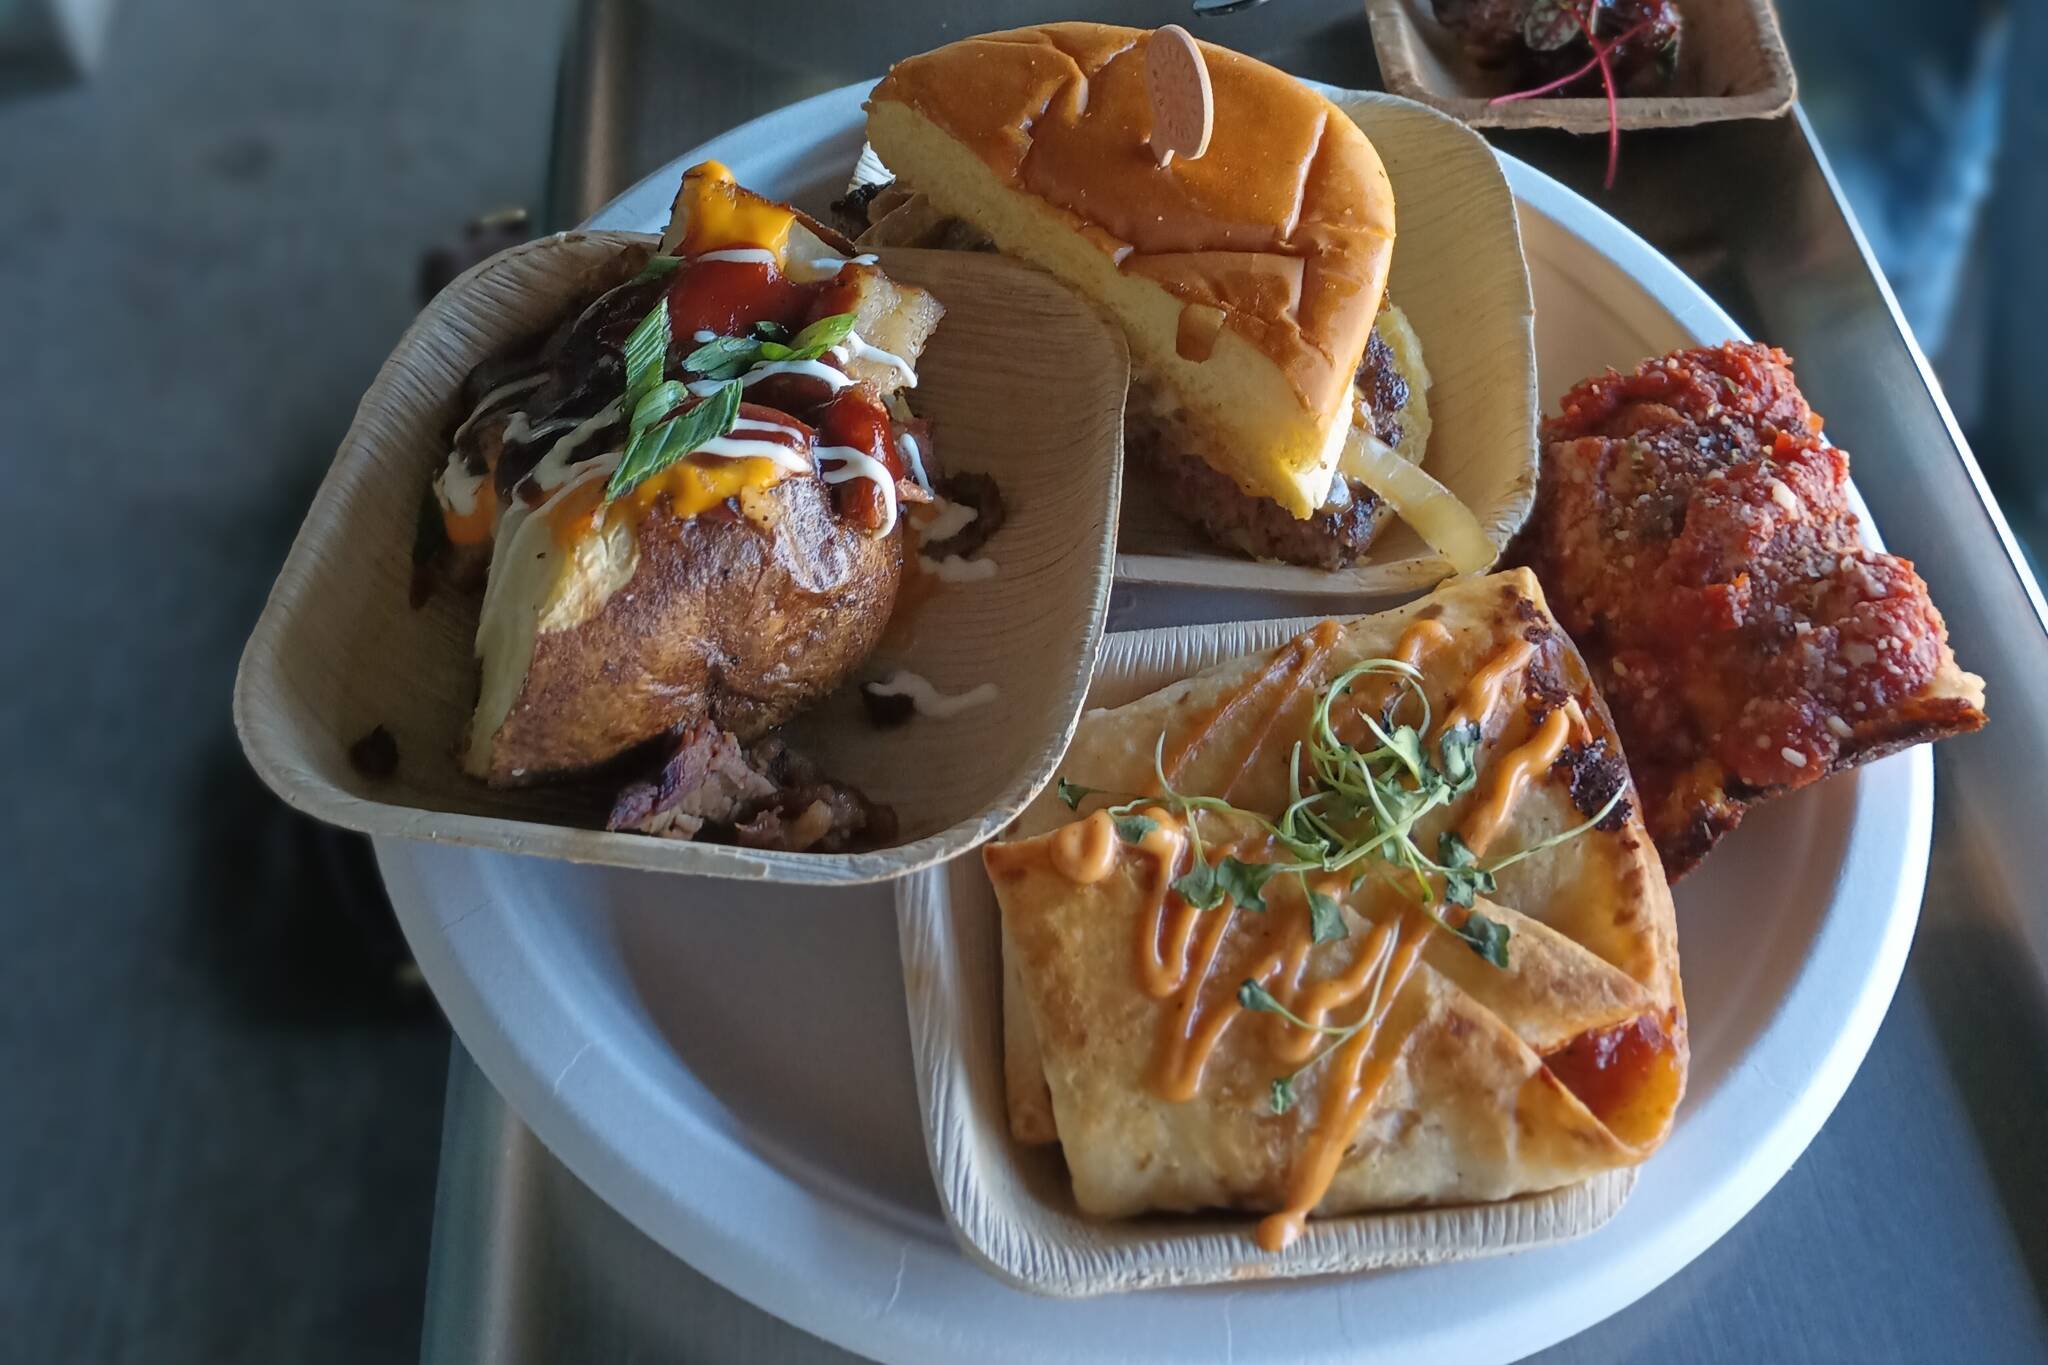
689, 495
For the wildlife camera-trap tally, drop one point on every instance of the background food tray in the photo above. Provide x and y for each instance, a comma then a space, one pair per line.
1732, 65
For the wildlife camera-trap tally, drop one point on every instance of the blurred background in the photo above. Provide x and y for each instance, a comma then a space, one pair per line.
220, 1078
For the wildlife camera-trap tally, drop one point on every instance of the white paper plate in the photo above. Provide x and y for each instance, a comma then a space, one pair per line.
729, 1065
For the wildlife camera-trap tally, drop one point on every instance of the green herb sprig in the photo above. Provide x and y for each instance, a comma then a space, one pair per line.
653, 443
730, 357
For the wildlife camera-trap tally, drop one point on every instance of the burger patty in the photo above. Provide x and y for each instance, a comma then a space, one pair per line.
1336, 536
1194, 490
1384, 388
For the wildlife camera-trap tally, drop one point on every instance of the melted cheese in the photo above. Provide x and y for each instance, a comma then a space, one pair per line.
694, 486
716, 213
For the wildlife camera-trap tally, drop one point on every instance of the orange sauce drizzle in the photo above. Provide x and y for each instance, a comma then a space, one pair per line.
1085, 851
1518, 769
1355, 1079
1482, 692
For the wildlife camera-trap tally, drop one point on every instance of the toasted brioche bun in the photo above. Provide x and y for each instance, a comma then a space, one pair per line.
1247, 280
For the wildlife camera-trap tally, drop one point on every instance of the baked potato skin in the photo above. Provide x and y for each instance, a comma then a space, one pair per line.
746, 619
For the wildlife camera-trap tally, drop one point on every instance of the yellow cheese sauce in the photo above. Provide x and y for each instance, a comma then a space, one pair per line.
718, 214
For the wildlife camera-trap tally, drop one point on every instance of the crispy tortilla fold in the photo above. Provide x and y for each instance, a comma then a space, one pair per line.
1470, 1110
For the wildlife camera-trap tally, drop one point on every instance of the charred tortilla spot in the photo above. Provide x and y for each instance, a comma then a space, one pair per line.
1596, 774
1544, 683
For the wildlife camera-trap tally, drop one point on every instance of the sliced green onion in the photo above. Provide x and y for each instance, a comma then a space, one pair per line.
659, 446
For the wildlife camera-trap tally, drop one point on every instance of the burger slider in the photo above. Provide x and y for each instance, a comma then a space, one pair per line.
1277, 401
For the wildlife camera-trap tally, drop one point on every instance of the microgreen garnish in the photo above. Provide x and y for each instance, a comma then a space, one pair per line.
1243, 882
1326, 921
1549, 25
1199, 887
1488, 938
1072, 794
1464, 878
1459, 748
1132, 829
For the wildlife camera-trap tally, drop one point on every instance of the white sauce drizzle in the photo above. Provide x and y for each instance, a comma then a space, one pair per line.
753, 255
457, 487
730, 448
495, 397
954, 569
913, 460
825, 267
948, 519
838, 464
553, 468
854, 348
833, 379
928, 700
767, 424
518, 428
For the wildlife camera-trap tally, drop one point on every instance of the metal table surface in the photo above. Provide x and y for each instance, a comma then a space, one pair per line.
1916, 1226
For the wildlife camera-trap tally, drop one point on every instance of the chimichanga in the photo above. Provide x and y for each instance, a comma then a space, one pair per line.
1370, 921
